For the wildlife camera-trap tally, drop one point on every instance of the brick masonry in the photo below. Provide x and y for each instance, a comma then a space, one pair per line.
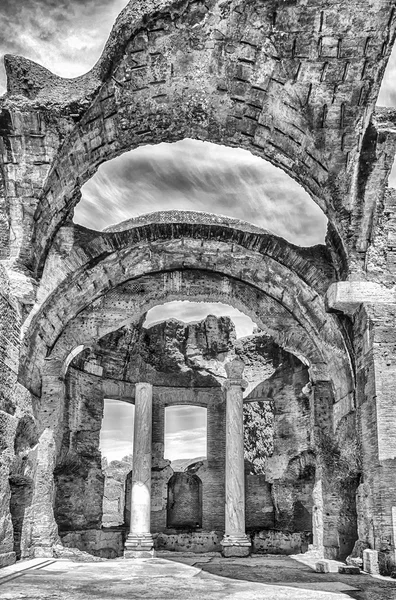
295, 84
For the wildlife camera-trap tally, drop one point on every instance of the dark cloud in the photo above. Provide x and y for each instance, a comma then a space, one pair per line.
64, 36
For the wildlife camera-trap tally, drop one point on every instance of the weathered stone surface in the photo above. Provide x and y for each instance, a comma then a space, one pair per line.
322, 566
114, 493
296, 86
349, 570
279, 542
370, 561
76, 552
198, 542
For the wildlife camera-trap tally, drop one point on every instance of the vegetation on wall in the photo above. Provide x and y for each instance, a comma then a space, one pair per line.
258, 420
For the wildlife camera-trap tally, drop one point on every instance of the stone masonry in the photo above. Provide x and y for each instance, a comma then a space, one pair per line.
295, 83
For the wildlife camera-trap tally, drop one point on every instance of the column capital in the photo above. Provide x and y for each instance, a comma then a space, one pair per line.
235, 383
234, 368
143, 385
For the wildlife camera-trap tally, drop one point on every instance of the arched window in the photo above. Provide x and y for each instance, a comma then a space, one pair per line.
200, 176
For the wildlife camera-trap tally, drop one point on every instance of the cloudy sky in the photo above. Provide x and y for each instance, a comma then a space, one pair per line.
67, 37
185, 431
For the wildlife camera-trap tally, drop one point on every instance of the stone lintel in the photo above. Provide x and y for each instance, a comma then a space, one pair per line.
347, 296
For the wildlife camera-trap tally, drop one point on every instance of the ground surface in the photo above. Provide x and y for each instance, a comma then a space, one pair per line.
186, 577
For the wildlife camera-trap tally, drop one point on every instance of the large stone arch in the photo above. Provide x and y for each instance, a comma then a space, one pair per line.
265, 271
237, 74
127, 303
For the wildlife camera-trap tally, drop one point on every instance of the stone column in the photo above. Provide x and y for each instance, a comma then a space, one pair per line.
375, 335
139, 542
235, 541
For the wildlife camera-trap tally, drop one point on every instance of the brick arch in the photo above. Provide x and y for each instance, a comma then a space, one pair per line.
127, 303
235, 74
264, 266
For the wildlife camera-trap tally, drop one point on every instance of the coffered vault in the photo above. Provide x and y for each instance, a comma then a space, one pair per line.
292, 82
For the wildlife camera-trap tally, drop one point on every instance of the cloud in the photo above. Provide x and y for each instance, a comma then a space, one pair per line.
186, 444
185, 431
66, 37
387, 95
194, 175
116, 435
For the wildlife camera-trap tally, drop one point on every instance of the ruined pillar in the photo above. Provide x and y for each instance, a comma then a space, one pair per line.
372, 310
235, 541
375, 335
79, 479
40, 524
139, 542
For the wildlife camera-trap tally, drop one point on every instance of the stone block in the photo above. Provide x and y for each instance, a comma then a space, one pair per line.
197, 542
231, 551
139, 553
370, 561
354, 562
7, 558
273, 541
322, 566
349, 570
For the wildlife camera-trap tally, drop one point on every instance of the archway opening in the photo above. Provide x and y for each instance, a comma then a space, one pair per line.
185, 435
187, 311
196, 175
116, 446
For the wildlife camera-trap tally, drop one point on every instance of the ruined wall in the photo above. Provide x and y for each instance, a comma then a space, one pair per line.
78, 472
114, 492
376, 373
319, 80
17, 430
259, 507
184, 506
210, 471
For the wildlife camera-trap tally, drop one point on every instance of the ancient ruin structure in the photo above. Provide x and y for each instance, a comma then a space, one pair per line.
294, 83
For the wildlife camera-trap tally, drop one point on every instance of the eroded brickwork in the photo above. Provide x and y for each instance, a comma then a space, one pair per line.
293, 83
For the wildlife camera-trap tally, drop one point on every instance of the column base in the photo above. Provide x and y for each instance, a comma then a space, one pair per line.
139, 545
236, 545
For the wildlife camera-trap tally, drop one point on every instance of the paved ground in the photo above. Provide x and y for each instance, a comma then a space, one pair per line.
186, 577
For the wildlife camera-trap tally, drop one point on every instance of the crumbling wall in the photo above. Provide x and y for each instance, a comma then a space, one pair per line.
184, 501
16, 437
78, 472
115, 475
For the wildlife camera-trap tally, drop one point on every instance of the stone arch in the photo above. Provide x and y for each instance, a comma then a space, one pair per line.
114, 259
261, 307
239, 75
